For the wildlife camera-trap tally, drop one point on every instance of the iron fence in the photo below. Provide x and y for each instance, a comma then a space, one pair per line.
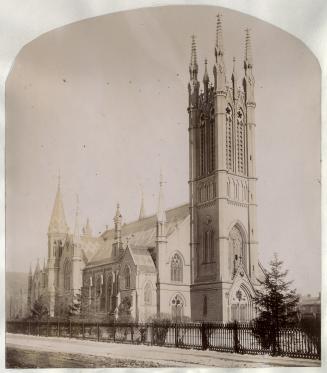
231, 337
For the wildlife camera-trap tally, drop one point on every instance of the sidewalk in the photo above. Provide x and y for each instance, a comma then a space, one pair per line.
162, 355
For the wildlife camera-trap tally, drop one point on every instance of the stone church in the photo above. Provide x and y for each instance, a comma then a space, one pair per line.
197, 261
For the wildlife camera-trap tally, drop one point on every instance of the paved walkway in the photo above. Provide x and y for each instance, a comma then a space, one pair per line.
162, 355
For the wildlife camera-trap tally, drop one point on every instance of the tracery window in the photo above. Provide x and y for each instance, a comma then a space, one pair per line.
67, 275
177, 308
236, 250
176, 268
109, 292
229, 138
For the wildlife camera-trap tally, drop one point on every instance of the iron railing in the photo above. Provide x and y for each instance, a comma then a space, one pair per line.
230, 337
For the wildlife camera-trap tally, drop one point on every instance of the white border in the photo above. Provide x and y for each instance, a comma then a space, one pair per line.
21, 21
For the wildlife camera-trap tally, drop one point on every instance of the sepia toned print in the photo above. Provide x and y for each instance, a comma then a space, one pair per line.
193, 276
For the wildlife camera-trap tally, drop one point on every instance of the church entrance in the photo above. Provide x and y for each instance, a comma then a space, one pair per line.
241, 307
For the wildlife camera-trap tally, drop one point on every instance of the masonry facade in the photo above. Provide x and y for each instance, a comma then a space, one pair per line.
199, 260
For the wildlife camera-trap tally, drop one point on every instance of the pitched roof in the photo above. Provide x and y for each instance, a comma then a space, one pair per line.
142, 258
140, 233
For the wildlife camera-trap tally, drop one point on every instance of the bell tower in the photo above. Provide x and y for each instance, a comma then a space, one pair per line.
222, 181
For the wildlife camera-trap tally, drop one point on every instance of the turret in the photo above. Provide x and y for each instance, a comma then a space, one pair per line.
117, 245
234, 80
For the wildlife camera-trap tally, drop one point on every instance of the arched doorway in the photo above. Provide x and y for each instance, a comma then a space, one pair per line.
241, 305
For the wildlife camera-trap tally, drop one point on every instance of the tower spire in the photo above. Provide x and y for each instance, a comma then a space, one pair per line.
117, 245
219, 48
142, 209
193, 63
58, 222
219, 67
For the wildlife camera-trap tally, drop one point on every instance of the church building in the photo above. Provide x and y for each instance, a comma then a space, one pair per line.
198, 261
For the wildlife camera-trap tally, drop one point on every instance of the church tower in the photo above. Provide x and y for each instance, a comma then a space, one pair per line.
222, 186
57, 234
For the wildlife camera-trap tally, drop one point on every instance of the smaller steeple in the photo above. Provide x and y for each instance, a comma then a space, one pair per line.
142, 210
58, 222
219, 72
88, 229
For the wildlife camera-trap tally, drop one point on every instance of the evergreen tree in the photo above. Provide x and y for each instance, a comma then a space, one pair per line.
39, 310
276, 304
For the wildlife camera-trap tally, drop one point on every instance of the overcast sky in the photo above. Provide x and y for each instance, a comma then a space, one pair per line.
104, 100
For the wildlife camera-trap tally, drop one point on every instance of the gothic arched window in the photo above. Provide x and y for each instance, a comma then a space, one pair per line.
67, 275
229, 138
236, 250
148, 294
240, 139
127, 277
177, 306
109, 292
208, 247
202, 146
176, 269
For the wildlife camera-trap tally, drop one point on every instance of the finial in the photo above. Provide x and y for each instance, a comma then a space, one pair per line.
248, 49
219, 50
77, 228
205, 76
142, 210
59, 179
161, 215
30, 270
193, 64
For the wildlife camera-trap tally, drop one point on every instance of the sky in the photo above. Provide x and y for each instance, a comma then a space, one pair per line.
104, 101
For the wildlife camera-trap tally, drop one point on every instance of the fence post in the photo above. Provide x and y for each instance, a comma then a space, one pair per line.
70, 328
132, 333
98, 331
58, 331
47, 334
204, 336
29, 327
235, 338
38, 327
176, 334
83, 330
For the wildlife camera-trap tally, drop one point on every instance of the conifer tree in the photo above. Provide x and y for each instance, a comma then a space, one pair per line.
276, 304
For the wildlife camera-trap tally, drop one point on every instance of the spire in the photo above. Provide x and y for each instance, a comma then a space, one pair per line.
205, 75
248, 61
37, 265
234, 78
219, 49
44, 265
193, 63
117, 245
30, 270
58, 222
161, 214
77, 227
142, 210
88, 229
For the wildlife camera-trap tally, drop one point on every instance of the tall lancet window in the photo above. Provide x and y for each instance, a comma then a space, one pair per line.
212, 146
202, 147
67, 273
176, 269
229, 138
240, 143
